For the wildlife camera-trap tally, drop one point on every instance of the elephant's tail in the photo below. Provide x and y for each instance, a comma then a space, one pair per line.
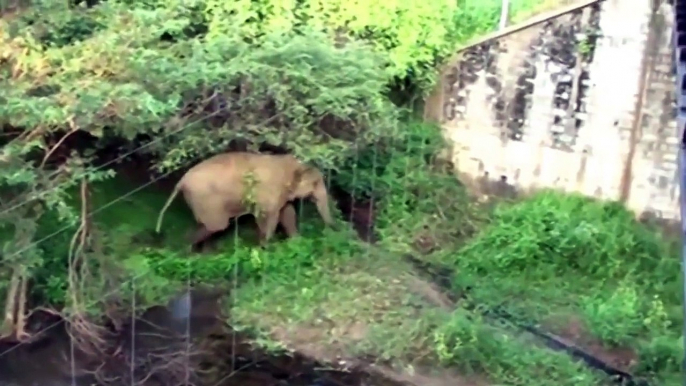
171, 198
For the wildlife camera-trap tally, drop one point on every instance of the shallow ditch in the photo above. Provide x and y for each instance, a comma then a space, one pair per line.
174, 345
154, 350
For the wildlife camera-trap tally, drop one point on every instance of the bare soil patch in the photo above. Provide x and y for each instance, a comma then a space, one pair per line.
426, 377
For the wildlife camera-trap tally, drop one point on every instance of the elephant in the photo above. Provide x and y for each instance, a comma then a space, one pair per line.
229, 185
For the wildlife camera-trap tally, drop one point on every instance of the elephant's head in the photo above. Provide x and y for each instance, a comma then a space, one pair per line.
308, 182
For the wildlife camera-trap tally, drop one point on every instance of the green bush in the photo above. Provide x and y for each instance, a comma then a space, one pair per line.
418, 193
552, 231
477, 347
663, 355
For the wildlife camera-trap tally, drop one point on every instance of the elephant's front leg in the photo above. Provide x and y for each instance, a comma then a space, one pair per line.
288, 220
267, 223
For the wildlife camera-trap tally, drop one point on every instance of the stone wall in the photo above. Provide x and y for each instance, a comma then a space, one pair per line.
583, 102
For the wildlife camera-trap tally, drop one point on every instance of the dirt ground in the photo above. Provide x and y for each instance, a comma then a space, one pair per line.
621, 358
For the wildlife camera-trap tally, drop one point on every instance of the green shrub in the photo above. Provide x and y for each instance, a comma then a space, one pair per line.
552, 231
418, 193
553, 255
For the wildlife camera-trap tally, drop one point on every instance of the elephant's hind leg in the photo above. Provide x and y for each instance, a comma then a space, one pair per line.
200, 237
267, 223
211, 216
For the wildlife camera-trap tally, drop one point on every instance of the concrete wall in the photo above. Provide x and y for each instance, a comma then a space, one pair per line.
583, 102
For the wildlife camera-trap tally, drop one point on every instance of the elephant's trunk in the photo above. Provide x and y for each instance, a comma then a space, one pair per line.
321, 199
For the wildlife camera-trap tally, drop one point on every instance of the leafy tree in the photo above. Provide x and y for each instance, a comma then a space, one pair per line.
76, 82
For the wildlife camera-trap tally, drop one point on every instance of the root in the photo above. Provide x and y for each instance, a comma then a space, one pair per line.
14, 325
20, 327
170, 365
86, 335
10, 306
59, 143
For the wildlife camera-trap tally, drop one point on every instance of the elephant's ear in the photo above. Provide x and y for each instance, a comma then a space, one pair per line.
301, 173
297, 176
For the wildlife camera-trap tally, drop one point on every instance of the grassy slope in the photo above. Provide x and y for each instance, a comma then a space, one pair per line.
586, 271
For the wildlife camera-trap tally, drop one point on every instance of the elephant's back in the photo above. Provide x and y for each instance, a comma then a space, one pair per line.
216, 175
225, 174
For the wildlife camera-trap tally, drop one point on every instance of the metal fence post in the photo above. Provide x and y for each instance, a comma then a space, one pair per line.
679, 45
504, 13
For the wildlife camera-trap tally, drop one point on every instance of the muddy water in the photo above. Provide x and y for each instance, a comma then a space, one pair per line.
154, 350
